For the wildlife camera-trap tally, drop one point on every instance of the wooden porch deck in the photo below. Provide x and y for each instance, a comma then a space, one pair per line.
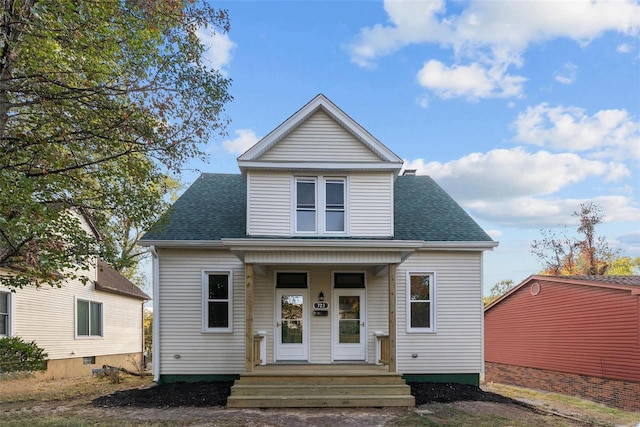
315, 385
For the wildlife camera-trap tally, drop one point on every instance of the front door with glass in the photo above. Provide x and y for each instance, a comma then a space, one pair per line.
349, 329
292, 335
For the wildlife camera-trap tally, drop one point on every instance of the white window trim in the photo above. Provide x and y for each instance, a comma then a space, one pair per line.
432, 300
205, 302
75, 319
294, 203
10, 312
320, 184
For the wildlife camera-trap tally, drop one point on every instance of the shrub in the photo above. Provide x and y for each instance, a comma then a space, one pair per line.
17, 355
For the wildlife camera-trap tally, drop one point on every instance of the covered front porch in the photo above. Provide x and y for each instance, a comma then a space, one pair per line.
320, 301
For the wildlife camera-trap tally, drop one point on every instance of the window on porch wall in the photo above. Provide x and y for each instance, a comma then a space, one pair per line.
217, 302
420, 302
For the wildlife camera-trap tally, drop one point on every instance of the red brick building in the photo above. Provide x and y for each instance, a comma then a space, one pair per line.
577, 335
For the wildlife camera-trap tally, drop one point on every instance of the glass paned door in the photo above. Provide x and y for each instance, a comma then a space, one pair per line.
291, 325
349, 324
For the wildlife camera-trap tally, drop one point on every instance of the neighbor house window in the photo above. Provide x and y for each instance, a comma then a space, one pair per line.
320, 205
217, 302
4, 314
420, 302
88, 318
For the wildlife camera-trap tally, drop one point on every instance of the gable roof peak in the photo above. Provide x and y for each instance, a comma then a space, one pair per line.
319, 103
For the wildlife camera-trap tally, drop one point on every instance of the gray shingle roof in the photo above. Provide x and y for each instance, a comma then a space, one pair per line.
424, 211
214, 207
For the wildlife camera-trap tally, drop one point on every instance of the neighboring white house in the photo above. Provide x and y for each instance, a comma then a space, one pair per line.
80, 326
322, 249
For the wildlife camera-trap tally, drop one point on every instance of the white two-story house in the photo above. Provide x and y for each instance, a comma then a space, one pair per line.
317, 253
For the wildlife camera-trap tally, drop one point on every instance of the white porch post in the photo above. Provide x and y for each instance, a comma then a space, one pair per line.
248, 318
392, 317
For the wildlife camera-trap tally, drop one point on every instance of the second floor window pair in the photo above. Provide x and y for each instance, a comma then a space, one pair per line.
320, 205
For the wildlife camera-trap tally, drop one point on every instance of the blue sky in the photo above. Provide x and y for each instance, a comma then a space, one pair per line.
520, 110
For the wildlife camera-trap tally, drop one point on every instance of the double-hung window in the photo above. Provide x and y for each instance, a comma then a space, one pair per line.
88, 318
306, 205
334, 205
217, 302
4, 314
420, 302
320, 205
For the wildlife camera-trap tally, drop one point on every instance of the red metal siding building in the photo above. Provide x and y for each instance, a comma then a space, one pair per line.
576, 335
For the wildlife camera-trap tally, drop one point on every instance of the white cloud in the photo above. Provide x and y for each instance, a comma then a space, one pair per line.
548, 213
567, 74
245, 139
218, 47
606, 134
624, 48
504, 174
477, 35
473, 81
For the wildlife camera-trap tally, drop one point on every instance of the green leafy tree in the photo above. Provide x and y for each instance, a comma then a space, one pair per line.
100, 101
17, 355
587, 254
497, 290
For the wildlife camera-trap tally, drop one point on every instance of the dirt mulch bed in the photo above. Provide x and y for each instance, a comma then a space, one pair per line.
202, 394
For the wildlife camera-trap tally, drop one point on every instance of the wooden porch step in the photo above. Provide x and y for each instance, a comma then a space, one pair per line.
320, 390
320, 386
329, 401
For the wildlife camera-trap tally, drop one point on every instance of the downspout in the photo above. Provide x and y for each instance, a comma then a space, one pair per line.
155, 335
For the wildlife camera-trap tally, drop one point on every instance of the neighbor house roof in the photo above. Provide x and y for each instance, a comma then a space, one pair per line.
214, 208
630, 283
110, 280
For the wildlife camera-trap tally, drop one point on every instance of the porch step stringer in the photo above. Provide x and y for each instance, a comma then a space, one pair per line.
300, 390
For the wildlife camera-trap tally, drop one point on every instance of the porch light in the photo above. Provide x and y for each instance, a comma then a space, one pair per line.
321, 296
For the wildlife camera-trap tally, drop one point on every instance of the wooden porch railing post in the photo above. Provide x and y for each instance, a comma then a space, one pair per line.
248, 318
392, 317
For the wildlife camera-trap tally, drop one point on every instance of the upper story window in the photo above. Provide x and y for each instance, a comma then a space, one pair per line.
306, 205
4, 314
320, 205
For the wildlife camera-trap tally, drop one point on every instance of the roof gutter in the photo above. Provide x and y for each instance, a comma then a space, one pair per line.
182, 243
459, 246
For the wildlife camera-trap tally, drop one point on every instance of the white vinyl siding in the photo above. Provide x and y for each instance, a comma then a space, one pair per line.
272, 206
456, 345
320, 139
269, 203
184, 348
47, 315
371, 204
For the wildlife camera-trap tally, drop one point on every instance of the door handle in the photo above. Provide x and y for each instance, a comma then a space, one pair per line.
278, 324
362, 323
